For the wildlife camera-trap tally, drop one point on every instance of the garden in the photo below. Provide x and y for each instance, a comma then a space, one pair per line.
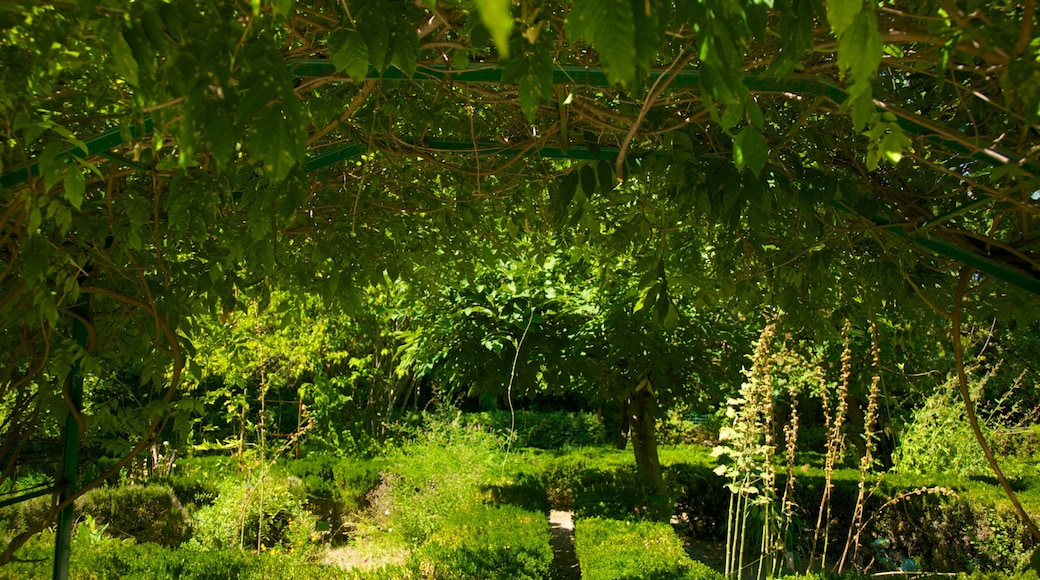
598, 289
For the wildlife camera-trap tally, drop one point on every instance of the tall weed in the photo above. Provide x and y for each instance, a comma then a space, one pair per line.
424, 481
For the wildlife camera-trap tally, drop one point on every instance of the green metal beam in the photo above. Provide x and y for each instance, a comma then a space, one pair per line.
70, 442
99, 145
587, 76
930, 244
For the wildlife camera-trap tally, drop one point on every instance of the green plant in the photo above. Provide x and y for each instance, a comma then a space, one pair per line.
148, 513
254, 512
866, 463
425, 481
938, 438
111, 559
542, 430
624, 550
749, 446
484, 542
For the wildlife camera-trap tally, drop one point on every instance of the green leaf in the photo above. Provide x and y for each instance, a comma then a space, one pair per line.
841, 14
652, 294
671, 318
609, 26
754, 114
562, 195
282, 8
588, 181
50, 167
349, 53
123, 58
276, 144
460, 59
220, 132
532, 70
373, 26
860, 51
607, 179
404, 46
863, 109
75, 185
498, 19
750, 150
731, 116
35, 219
649, 29
893, 144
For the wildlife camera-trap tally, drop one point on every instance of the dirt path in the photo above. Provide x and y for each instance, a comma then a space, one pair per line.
565, 561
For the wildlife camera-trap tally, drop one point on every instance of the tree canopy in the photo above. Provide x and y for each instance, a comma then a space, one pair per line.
830, 159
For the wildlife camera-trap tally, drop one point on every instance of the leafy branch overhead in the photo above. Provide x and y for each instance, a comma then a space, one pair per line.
164, 158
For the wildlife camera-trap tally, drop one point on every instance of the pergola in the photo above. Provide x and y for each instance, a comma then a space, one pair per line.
949, 227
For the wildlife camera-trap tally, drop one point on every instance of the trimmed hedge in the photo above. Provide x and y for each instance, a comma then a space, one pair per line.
938, 532
146, 513
623, 550
118, 560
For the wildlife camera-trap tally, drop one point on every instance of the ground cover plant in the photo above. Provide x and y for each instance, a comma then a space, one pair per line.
454, 500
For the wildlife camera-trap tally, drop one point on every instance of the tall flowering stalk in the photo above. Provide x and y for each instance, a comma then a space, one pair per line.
833, 421
867, 460
748, 443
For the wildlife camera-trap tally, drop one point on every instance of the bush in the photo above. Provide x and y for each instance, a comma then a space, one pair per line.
487, 543
263, 510
554, 430
428, 480
149, 513
116, 560
621, 550
354, 481
682, 426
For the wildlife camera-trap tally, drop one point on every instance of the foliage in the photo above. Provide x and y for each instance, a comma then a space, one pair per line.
543, 430
427, 480
938, 438
614, 550
161, 162
487, 542
259, 510
114, 560
149, 513
295, 364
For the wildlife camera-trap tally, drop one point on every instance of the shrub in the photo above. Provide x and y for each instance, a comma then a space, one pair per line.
354, 481
487, 543
554, 430
117, 560
149, 513
680, 425
426, 481
622, 550
260, 511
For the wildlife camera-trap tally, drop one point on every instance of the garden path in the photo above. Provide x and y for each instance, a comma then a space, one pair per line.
565, 561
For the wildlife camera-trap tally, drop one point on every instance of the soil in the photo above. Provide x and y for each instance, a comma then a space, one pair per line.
565, 560
710, 551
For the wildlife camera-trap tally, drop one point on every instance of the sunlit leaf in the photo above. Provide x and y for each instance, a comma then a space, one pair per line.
349, 53
609, 26
498, 18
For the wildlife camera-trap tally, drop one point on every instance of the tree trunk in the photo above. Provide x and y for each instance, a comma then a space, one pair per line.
621, 434
641, 418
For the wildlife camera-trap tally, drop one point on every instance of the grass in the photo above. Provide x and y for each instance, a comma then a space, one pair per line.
418, 500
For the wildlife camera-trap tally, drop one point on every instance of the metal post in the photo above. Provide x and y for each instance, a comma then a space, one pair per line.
70, 450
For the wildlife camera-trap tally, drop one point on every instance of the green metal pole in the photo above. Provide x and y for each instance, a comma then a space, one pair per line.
70, 449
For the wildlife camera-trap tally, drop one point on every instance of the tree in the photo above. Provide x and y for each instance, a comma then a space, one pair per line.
158, 156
